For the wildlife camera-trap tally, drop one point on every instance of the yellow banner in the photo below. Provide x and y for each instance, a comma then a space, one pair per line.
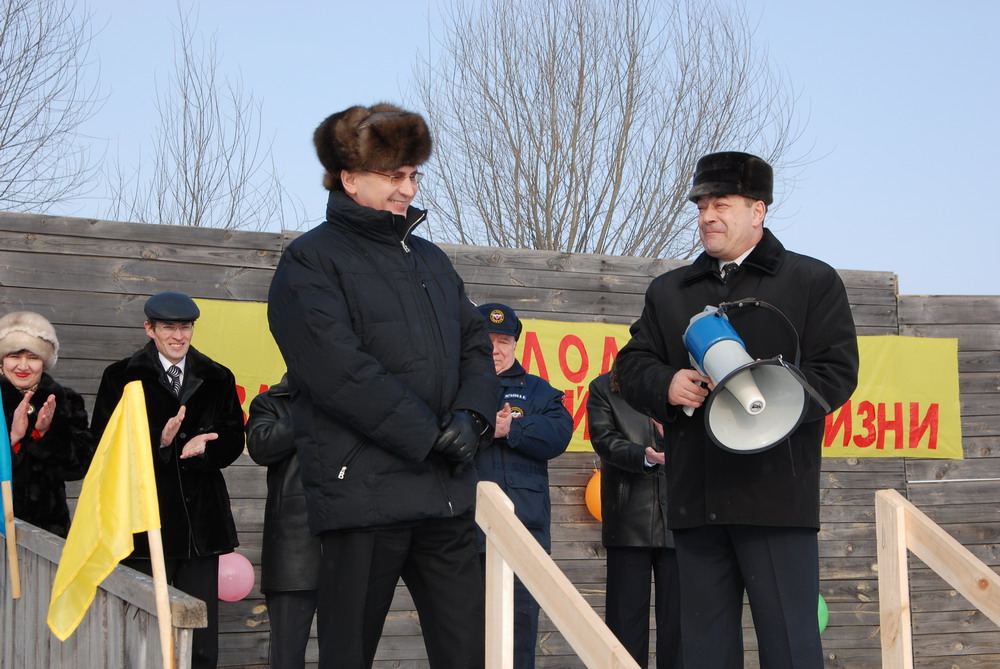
570, 356
236, 335
906, 403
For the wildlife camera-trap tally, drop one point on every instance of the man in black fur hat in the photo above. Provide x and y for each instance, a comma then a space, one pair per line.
743, 522
392, 392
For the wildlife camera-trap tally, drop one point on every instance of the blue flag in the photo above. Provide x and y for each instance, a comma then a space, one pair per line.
5, 466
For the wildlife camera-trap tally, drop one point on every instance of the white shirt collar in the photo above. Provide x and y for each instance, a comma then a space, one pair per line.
166, 363
738, 261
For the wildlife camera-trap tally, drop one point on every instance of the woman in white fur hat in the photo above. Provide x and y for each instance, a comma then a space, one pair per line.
49, 435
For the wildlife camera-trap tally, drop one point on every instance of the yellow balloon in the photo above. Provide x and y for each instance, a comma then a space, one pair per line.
593, 494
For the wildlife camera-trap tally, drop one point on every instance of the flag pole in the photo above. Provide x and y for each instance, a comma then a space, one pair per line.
8, 521
162, 598
6, 474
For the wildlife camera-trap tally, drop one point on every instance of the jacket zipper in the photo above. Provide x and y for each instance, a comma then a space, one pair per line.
444, 490
406, 249
350, 459
428, 302
402, 241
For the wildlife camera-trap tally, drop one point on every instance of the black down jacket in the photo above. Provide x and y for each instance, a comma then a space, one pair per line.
381, 344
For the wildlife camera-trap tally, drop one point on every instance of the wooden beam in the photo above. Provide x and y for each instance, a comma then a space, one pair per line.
580, 625
893, 581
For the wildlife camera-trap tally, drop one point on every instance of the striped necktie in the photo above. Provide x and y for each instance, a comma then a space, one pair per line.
174, 372
728, 270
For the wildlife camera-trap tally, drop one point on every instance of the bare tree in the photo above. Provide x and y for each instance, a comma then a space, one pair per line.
211, 165
44, 98
575, 125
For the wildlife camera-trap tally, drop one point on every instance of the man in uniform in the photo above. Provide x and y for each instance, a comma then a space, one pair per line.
532, 427
743, 522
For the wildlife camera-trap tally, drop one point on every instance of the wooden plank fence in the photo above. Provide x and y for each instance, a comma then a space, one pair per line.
90, 278
119, 631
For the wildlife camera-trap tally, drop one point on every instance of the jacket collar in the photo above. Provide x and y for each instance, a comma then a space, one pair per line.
766, 257
12, 396
379, 226
280, 389
513, 371
145, 364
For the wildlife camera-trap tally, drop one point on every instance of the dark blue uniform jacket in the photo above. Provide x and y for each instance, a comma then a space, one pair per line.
518, 463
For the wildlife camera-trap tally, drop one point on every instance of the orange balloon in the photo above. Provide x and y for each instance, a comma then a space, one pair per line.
593, 494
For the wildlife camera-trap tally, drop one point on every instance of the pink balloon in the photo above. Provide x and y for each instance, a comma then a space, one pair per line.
235, 577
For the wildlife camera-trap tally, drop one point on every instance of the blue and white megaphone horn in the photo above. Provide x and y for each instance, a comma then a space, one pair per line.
755, 404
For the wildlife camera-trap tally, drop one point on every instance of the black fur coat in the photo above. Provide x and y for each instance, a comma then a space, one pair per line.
194, 503
42, 466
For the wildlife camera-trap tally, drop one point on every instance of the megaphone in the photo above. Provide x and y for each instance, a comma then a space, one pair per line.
755, 404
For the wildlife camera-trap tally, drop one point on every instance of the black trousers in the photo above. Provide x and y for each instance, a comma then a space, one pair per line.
627, 603
778, 567
198, 577
438, 561
291, 615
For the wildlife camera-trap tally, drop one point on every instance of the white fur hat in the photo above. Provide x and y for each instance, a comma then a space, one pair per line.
28, 331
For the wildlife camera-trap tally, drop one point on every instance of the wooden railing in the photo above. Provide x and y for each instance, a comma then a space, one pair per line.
120, 628
511, 549
901, 526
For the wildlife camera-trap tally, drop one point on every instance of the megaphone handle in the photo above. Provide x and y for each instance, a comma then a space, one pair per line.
689, 411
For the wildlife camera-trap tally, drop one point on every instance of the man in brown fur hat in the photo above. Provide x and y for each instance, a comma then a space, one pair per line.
392, 393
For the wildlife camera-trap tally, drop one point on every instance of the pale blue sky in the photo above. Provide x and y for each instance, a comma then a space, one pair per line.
899, 102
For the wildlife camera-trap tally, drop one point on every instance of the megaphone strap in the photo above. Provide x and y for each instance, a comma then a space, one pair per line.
754, 302
801, 378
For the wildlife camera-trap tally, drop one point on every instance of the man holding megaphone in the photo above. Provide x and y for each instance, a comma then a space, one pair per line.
744, 440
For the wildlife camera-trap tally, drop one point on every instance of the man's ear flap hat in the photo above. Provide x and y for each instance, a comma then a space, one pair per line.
381, 138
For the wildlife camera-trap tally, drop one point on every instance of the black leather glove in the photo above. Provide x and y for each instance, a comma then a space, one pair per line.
459, 437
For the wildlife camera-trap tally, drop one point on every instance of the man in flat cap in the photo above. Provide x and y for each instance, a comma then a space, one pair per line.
196, 429
392, 393
533, 427
743, 522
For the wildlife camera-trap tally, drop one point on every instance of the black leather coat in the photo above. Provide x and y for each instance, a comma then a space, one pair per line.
706, 484
40, 467
381, 344
194, 503
633, 496
290, 555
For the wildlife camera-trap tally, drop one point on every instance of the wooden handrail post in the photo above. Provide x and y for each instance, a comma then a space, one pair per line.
583, 629
901, 526
499, 607
893, 581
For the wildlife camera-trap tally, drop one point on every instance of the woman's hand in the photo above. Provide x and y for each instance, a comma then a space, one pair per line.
44, 420
19, 421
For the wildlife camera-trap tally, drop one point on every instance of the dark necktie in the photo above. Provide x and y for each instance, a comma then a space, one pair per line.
728, 270
174, 372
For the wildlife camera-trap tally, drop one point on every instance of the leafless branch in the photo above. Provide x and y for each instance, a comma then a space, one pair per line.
44, 98
575, 125
211, 164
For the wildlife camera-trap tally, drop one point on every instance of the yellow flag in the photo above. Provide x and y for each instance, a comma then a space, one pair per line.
118, 498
